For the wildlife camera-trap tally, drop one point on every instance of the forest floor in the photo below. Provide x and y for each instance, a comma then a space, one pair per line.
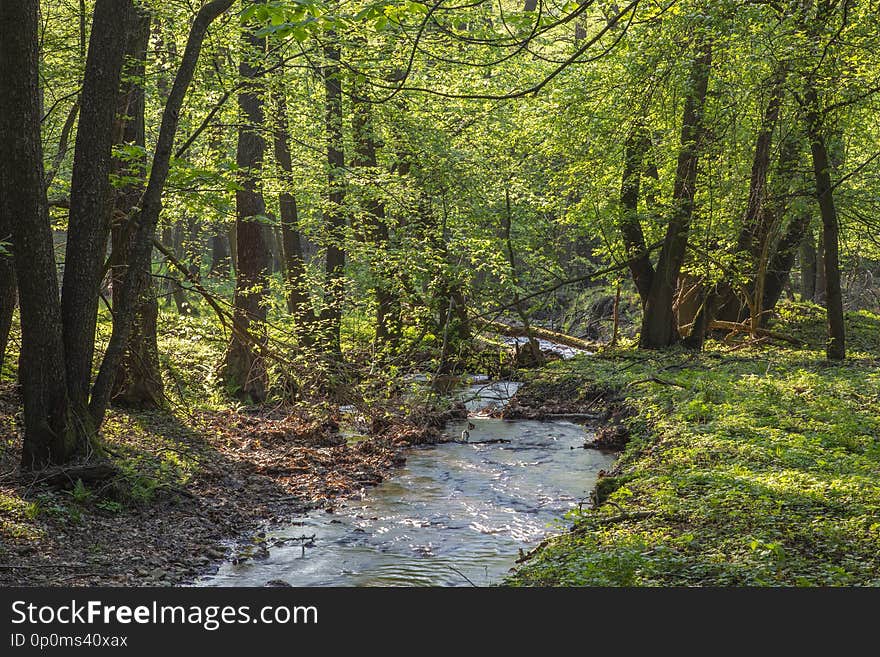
742, 466
188, 488
199, 480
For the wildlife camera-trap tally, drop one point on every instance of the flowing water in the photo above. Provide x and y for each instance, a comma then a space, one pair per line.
454, 515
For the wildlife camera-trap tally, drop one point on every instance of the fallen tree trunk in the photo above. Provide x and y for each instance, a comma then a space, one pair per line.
735, 327
537, 332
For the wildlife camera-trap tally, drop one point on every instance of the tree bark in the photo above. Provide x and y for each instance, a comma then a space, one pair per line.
836, 348
150, 208
334, 214
91, 198
138, 379
659, 328
244, 369
49, 434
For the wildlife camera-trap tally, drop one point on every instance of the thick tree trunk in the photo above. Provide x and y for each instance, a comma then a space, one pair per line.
658, 320
49, 434
91, 198
150, 208
637, 144
299, 303
334, 214
836, 348
244, 368
808, 267
138, 379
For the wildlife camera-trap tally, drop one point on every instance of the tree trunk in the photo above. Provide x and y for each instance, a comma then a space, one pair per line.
754, 229
91, 198
836, 348
819, 294
175, 232
49, 433
138, 379
219, 255
8, 289
244, 369
334, 214
377, 227
299, 304
637, 144
150, 209
780, 265
658, 320
808, 267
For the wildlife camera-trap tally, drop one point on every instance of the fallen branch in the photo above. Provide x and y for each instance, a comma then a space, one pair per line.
538, 332
735, 327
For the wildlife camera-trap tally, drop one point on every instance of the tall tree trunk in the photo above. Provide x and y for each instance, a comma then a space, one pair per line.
49, 429
658, 320
836, 348
637, 144
138, 379
91, 198
334, 214
244, 368
299, 303
808, 267
150, 209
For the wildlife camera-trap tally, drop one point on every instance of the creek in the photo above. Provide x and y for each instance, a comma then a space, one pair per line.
456, 514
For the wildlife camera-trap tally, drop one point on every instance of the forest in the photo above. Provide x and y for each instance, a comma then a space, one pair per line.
454, 292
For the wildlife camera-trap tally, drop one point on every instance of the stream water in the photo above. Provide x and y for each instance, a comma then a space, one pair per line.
454, 515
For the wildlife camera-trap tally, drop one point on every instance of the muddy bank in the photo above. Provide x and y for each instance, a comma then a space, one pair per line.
191, 492
571, 399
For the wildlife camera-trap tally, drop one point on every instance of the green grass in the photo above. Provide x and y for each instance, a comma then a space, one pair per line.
762, 469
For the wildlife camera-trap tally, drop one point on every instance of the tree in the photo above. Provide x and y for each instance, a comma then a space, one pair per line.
244, 367
138, 380
659, 328
49, 428
91, 201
